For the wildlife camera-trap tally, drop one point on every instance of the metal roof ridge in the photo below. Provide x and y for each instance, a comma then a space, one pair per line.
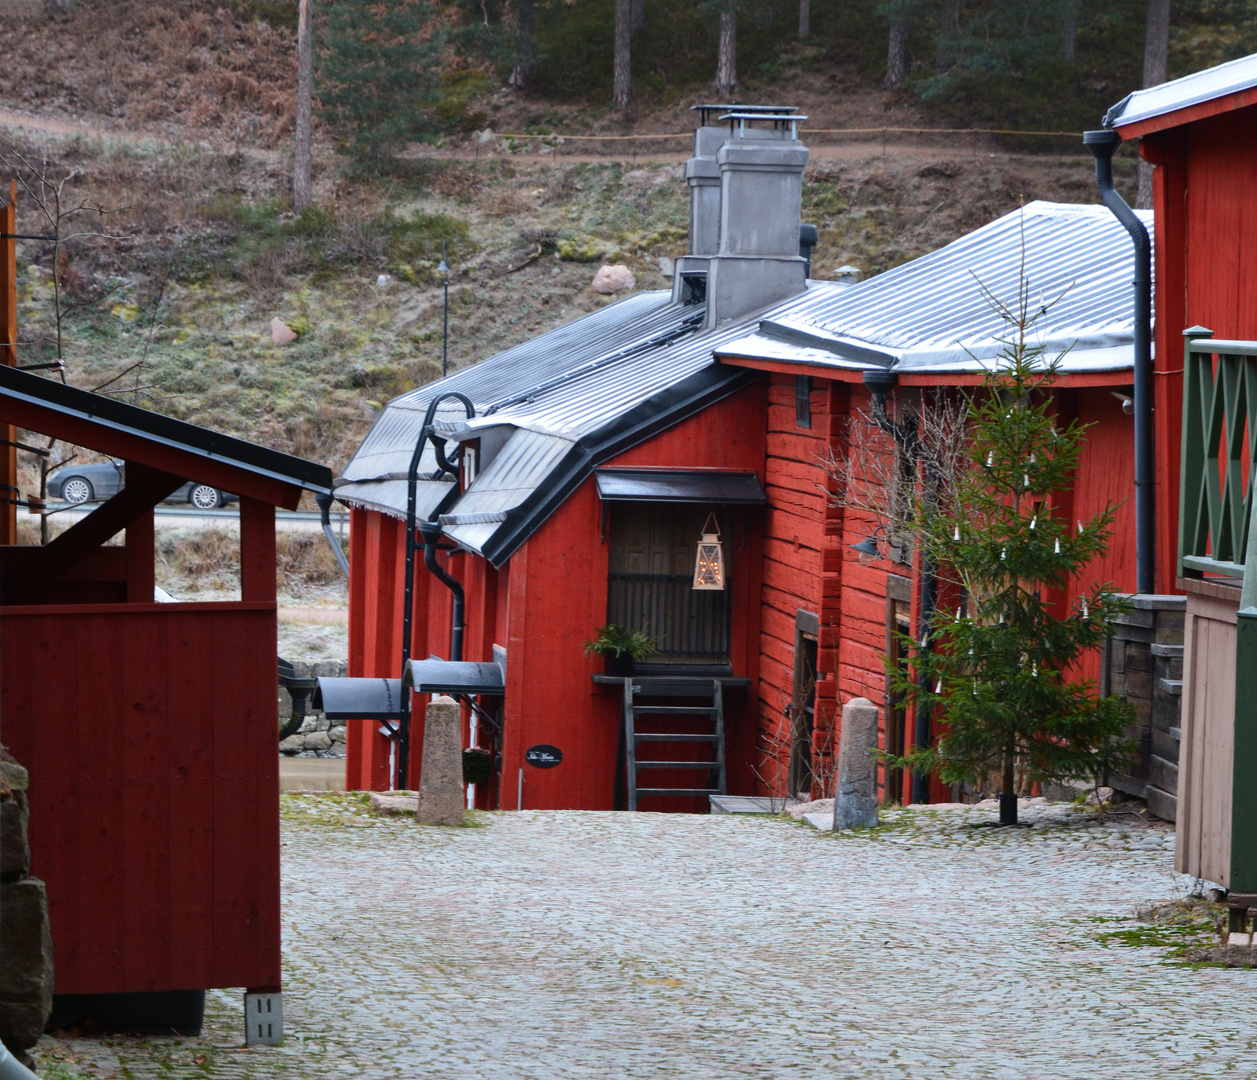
687, 326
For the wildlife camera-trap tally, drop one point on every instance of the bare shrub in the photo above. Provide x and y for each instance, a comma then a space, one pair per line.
305, 559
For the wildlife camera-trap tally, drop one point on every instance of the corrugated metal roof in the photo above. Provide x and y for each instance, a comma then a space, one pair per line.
389, 444
1200, 86
550, 410
931, 314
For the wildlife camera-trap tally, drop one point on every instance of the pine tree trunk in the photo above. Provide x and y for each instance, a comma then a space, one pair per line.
727, 59
1071, 31
1156, 58
948, 32
1008, 796
525, 24
621, 82
897, 55
805, 18
302, 169
639, 16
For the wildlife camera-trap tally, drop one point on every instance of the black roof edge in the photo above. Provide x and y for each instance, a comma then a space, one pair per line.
645, 420
791, 335
165, 430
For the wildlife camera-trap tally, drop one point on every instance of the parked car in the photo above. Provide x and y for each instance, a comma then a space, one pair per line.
101, 480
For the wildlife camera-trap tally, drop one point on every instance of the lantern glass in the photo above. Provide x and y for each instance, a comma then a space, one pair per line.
709, 567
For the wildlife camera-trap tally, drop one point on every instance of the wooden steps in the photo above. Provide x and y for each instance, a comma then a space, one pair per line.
714, 766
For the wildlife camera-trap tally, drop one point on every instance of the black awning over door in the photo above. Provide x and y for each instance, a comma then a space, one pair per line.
679, 486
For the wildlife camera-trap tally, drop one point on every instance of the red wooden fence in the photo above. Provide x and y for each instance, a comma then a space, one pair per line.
149, 733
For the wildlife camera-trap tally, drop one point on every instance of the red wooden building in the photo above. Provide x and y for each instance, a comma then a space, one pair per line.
597, 451
148, 728
1200, 134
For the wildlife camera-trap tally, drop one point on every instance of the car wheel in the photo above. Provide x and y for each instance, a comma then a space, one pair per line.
204, 497
77, 489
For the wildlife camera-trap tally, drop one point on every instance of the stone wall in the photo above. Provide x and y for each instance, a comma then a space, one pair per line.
1143, 663
318, 737
26, 972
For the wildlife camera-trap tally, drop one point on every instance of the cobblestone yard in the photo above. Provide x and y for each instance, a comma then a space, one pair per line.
595, 945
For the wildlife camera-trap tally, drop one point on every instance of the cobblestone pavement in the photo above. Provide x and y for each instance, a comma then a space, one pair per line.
595, 945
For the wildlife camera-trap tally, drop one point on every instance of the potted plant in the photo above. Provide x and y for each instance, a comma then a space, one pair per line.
620, 647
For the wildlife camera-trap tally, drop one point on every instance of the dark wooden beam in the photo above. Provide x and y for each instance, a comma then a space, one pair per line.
145, 489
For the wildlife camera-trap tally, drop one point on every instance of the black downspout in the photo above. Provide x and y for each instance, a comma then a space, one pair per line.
431, 533
325, 511
1103, 144
879, 383
444, 467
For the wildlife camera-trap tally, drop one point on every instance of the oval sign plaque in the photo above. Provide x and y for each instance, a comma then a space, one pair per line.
543, 756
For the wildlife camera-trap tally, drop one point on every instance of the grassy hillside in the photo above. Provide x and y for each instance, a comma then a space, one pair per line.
177, 118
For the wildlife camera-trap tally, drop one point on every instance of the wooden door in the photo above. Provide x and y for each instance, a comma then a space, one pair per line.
650, 581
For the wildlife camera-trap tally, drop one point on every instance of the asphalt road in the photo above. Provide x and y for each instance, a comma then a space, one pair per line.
186, 517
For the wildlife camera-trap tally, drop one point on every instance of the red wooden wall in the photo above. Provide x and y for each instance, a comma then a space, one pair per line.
542, 605
149, 733
809, 563
1206, 273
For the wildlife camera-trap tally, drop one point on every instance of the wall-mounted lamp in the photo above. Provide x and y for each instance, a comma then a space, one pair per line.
709, 567
1128, 402
871, 548
869, 545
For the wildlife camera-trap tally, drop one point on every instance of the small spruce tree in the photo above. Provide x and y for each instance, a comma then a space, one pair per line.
380, 73
998, 659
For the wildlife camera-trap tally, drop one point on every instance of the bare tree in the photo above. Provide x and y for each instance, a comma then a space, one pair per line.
805, 18
897, 54
1156, 59
301, 165
621, 81
58, 210
883, 460
727, 57
525, 27
948, 33
1071, 30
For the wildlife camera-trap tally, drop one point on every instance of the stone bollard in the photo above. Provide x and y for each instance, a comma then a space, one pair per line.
855, 795
26, 970
441, 779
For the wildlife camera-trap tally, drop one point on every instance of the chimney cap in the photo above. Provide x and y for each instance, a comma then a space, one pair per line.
705, 111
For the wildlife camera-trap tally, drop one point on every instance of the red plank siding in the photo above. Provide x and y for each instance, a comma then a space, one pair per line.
149, 731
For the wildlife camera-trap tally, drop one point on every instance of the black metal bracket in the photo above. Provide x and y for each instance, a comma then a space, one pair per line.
27, 447
27, 236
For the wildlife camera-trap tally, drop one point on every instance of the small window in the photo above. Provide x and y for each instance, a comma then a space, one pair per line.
803, 400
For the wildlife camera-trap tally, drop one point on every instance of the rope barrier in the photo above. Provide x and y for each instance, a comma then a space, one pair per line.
802, 131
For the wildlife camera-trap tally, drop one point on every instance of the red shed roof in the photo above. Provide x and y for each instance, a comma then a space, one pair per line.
1228, 86
161, 442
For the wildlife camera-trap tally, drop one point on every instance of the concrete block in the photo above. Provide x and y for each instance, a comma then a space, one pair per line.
1161, 803
263, 1018
855, 801
441, 798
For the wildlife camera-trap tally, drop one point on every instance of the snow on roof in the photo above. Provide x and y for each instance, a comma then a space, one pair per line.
1200, 86
930, 315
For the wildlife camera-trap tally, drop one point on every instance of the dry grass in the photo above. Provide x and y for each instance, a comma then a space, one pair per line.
185, 67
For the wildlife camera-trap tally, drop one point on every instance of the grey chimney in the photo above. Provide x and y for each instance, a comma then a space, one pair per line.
757, 262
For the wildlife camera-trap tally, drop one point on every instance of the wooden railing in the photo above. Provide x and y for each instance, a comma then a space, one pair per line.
1219, 452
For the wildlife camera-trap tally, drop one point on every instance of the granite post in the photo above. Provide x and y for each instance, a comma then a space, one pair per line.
855, 795
26, 971
441, 779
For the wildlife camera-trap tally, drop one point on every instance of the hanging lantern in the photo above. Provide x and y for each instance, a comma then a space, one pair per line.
709, 568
